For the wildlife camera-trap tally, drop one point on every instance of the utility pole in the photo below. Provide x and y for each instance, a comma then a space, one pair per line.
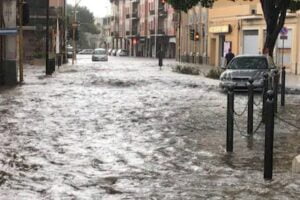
20, 2
156, 27
73, 35
47, 38
74, 27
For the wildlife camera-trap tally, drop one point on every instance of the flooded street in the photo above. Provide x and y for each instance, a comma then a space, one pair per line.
123, 129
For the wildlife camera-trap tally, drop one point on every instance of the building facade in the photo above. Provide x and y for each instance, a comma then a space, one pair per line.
192, 36
105, 30
241, 27
34, 32
237, 25
143, 27
8, 42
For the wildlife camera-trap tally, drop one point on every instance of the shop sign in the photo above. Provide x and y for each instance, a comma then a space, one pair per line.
219, 29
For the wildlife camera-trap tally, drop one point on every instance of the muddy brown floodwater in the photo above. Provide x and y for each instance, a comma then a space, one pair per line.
125, 130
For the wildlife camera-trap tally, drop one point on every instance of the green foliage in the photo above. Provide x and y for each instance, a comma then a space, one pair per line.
214, 73
185, 5
187, 69
295, 5
86, 24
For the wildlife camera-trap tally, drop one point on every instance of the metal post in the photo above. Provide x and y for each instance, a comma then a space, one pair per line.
269, 137
265, 90
160, 58
276, 83
283, 87
250, 106
230, 118
73, 35
21, 41
48, 71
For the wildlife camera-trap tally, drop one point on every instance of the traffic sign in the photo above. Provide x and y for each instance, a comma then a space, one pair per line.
283, 37
284, 31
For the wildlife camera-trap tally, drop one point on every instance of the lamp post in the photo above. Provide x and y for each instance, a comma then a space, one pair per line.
47, 39
20, 6
74, 27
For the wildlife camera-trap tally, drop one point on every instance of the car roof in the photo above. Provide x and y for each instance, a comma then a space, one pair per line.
100, 49
251, 55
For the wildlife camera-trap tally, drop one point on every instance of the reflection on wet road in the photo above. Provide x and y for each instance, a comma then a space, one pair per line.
125, 130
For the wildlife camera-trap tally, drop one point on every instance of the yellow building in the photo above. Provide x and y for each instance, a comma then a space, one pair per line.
240, 26
192, 36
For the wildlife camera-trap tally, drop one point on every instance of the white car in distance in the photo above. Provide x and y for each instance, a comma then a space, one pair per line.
100, 54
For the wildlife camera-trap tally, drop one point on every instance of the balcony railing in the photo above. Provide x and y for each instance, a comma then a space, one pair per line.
134, 32
162, 13
161, 31
152, 12
114, 34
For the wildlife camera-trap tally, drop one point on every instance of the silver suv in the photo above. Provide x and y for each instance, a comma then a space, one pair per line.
243, 67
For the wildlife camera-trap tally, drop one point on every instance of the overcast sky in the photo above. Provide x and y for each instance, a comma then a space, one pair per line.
100, 8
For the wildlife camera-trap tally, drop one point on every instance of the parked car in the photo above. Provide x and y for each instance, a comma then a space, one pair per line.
243, 67
100, 55
114, 52
122, 52
86, 51
69, 51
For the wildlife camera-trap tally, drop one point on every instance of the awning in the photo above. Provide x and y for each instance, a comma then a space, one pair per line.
9, 31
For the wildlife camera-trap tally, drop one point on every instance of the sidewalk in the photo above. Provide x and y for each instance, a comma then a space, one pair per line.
292, 80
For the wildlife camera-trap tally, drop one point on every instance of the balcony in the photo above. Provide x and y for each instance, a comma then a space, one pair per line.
152, 12
175, 17
161, 32
134, 33
162, 13
114, 34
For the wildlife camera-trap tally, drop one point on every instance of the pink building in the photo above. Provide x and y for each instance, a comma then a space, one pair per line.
143, 27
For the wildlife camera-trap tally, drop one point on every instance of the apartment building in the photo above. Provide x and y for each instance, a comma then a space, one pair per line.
143, 27
238, 25
34, 32
241, 26
192, 45
103, 25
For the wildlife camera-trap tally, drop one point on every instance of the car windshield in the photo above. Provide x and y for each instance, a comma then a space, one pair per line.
100, 51
248, 63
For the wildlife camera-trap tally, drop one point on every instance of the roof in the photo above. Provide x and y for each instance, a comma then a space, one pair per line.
251, 55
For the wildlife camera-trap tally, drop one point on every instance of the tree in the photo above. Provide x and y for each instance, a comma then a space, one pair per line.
274, 13
86, 20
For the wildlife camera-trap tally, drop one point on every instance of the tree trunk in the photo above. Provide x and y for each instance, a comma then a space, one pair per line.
275, 14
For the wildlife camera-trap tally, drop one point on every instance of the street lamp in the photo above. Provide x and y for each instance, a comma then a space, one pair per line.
47, 39
74, 27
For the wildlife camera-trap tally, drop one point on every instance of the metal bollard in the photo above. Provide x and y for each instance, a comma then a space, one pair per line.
160, 60
230, 118
276, 85
283, 86
250, 106
265, 90
269, 136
